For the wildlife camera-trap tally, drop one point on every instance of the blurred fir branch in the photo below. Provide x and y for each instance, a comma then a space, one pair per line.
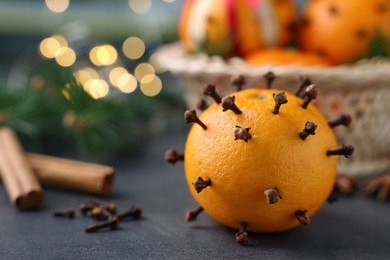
62, 114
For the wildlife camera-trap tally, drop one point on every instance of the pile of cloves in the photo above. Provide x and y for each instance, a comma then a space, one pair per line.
104, 212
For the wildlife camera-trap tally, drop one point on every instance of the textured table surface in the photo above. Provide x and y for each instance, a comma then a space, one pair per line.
352, 228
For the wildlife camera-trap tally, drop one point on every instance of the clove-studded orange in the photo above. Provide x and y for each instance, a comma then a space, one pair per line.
260, 160
273, 156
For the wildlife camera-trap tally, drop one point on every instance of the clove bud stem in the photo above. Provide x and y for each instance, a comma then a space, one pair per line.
310, 129
192, 215
346, 150
305, 82
242, 235
242, 133
209, 90
228, 103
200, 184
135, 213
280, 99
190, 117
113, 224
269, 79
311, 93
345, 120
65, 214
238, 81
172, 156
302, 217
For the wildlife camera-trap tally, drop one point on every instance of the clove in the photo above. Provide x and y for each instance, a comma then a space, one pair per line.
242, 133
280, 99
190, 117
269, 79
113, 224
310, 129
100, 213
305, 82
209, 90
272, 195
109, 206
172, 156
302, 217
202, 105
228, 103
346, 150
192, 215
135, 212
238, 81
345, 120
200, 184
242, 235
65, 213
84, 209
311, 93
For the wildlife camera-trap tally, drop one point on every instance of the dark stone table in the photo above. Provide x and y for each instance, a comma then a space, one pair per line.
352, 228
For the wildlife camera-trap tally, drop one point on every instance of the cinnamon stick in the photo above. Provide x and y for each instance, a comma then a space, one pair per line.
71, 174
20, 182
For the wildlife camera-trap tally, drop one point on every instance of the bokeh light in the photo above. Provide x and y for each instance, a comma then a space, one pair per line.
103, 55
127, 83
140, 6
169, 1
67, 57
143, 69
133, 48
151, 85
52, 47
57, 6
85, 74
115, 74
96, 88
153, 61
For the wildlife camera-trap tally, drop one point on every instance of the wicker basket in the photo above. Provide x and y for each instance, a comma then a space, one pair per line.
361, 89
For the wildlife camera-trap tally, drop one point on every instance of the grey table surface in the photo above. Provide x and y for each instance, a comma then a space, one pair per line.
352, 228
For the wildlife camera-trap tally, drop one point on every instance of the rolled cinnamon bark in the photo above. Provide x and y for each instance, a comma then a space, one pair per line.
71, 174
20, 182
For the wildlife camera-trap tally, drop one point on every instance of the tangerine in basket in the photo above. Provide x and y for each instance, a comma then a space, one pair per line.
237, 27
284, 57
345, 31
260, 160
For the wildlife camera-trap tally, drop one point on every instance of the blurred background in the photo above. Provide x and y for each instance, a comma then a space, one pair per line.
81, 75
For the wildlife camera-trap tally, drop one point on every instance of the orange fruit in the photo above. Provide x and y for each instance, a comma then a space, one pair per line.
273, 158
236, 27
344, 31
280, 57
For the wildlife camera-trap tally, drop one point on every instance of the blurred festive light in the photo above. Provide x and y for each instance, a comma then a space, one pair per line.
155, 64
115, 74
133, 48
140, 6
97, 88
67, 57
60, 39
127, 83
85, 74
65, 91
103, 55
53, 46
151, 85
169, 1
57, 6
143, 69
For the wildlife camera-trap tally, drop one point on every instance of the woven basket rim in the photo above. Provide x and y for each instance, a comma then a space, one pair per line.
374, 72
